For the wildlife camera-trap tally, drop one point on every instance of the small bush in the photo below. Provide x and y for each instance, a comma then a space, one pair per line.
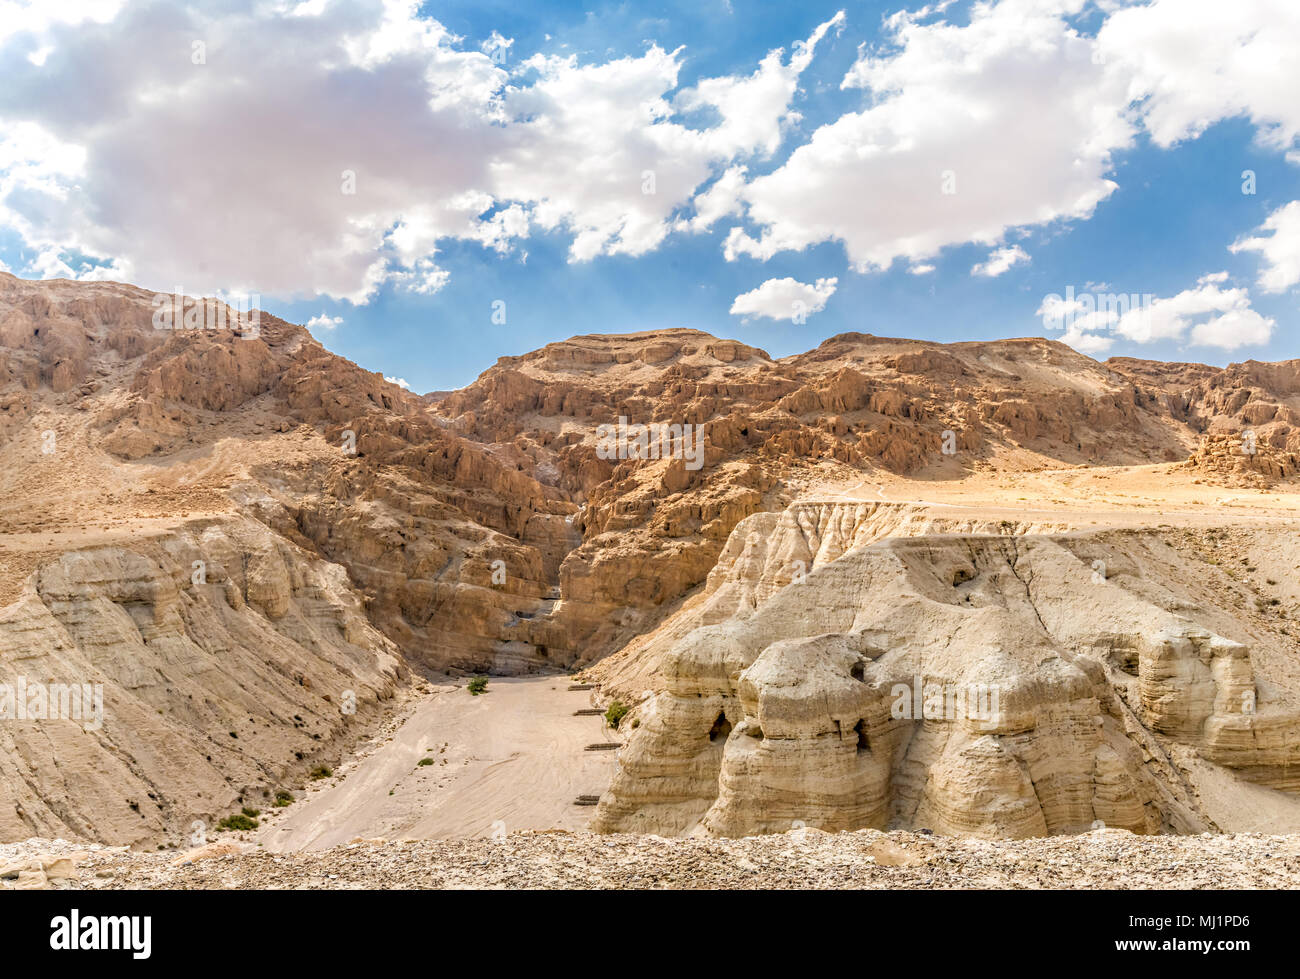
322, 771
250, 812
283, 798
478, 685
238, 822
424, 761
615, 713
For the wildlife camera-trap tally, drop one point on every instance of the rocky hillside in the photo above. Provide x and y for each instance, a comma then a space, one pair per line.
175, 501
847, 668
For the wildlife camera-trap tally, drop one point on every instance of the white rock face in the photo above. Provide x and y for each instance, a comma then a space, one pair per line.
208, 688
975, 683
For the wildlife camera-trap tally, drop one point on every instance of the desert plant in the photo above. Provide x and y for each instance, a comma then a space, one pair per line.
322, 771
478, 685
615, 713
238, 822
250, 812
424, 761
283, 798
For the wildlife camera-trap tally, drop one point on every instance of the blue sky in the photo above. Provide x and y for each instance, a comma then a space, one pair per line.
500, 156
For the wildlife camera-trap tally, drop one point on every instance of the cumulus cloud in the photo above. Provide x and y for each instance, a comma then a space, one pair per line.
942, 154
329, 148
323, 322
598, 150
1211, 314
785, 299
1194, 62
1280, 249
326, 148
399, 381
1229, 321
999, 261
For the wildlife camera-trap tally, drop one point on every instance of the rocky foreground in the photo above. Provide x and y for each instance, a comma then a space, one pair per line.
798, 859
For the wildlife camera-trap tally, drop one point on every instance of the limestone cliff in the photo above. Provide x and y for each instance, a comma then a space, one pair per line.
994, 684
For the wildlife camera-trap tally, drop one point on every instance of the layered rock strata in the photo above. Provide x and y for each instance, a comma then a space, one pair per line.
994, 685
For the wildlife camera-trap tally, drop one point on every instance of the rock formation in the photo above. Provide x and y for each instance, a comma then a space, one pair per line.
994, 684
350, 529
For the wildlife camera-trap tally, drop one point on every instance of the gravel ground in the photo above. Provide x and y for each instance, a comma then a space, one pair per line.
799, 859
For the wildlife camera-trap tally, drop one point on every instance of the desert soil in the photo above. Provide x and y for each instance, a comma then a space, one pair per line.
511, 759
799, 859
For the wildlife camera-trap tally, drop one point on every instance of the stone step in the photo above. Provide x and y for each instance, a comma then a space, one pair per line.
587, 800
603, 746
588, 712
583, 686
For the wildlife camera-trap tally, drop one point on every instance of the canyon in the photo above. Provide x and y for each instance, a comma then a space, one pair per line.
264, 556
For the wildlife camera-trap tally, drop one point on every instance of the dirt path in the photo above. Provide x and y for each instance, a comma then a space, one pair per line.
509, 760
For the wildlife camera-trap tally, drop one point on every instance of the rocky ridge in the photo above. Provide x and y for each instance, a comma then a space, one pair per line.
351, 529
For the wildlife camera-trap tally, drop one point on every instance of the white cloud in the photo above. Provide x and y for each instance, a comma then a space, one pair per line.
114, 144
323, 322
1212, 314
999, 261
721, 200
1086, 326
1083, 340
1194, 62
949, 105
597, 150
785, 299
754, 108
1230, 322
944, 153
1234, 328
119, 144
1280, 250
399, 381
33, 18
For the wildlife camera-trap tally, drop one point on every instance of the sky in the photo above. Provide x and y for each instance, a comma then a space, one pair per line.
431, 186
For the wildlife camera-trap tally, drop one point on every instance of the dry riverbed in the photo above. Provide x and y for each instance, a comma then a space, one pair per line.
461, 765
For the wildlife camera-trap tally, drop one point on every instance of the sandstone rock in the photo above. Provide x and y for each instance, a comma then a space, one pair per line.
974, 685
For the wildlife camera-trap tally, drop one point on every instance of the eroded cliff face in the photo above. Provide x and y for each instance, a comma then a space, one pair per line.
207, 667
1245, 417
995, 684
350, 528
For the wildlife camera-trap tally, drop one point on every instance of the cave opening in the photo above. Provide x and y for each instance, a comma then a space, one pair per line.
860, 729
721, 727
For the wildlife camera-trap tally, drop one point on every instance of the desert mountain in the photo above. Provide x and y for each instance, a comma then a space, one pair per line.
249, 541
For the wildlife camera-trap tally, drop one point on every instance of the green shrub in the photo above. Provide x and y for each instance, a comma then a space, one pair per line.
478, 685
322, 771
424, 761
283, 798
616, 712
238, 822
250, 812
